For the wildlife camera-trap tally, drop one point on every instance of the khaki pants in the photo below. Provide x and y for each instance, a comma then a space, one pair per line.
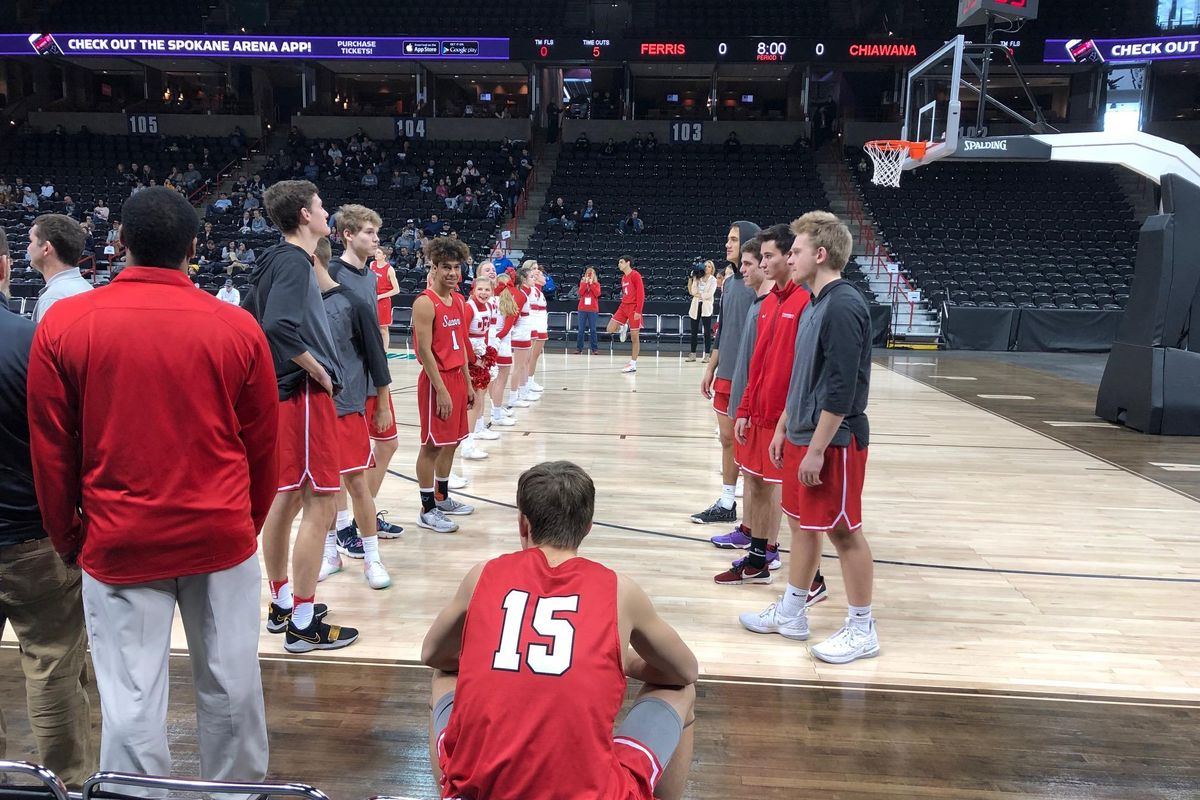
129, 627
40, 597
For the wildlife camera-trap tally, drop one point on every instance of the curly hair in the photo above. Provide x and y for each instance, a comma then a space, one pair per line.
441, 249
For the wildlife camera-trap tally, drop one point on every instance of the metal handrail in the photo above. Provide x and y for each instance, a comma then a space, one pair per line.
38, 773
91, 787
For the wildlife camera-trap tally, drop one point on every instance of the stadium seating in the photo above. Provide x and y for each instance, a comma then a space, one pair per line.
686, 195
86, 16
1016, 235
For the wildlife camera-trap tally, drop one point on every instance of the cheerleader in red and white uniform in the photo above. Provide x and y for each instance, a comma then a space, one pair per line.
504, 319
479, 334
539, 325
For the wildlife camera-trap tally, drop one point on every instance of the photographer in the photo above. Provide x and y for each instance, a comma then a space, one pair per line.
702, 286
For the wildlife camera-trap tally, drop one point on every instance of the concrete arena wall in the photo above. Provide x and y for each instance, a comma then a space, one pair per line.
328, 127
168, 124
599, 130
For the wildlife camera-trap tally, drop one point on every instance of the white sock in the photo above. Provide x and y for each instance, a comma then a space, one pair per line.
480, 424
331, 552
497, 413
371, 549
343, 519
728, 500
860, 617
792, 604
302, 615
283, 598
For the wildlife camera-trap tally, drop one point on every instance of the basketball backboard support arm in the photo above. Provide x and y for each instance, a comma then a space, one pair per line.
1149, 156
976, 57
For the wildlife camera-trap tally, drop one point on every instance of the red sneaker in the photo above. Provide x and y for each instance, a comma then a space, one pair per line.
741, 572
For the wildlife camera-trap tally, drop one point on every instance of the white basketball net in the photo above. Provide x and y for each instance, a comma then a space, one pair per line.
888, 163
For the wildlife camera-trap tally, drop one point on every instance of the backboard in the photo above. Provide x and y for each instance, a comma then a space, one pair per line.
932, 111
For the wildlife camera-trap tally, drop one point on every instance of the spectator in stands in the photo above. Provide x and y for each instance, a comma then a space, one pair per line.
207, 234
228, 294
257, 187
55, 245
47, 192
246, 254
636, 145
229, 251
193, 545
556, 212
733, 144
39, 593
147, 174
470, 174
583, 145
258, 223
397, 179
6, 191
334, 152
512, 191
222, 204
369, 179
442, 190
589, 213
632, 224
89, 239
68, 208
210, 254
100, 212
589, 305
703, 289
251, 202
434, 227
29, 200
407, 238
245, 228
610, 148
192, 178
311, 170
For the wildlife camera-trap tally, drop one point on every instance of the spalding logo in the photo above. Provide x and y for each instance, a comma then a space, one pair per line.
985, 144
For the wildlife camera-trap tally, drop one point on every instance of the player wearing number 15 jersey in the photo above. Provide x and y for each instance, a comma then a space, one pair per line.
444, 386
530, 668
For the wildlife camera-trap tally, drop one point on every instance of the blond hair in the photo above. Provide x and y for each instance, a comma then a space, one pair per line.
353, 217
323, 252
508, 305
824, 229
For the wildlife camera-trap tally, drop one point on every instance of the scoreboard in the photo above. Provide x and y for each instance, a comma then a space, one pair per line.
739, 50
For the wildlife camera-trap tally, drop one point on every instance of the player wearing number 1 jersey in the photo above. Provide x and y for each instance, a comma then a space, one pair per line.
531, 659
444, 386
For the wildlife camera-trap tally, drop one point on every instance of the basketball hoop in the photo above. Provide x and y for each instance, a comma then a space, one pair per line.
888, 156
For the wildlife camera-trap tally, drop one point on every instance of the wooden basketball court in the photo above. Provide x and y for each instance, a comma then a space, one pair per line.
1037, 577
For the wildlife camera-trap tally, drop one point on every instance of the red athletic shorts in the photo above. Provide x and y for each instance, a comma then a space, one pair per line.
307, 447
720, 390
354, 445
754, 456
386, 433
838, 500
449, 431
625, 315
385, 311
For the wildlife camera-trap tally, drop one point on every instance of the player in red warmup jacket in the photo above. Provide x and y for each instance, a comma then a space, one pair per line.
531, 659
444, 386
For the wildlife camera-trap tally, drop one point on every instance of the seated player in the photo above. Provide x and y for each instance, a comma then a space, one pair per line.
531, 659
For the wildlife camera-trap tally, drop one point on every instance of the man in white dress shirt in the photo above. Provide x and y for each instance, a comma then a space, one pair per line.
228, 294
55, 245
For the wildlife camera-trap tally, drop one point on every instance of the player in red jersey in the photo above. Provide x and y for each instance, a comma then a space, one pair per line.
531, 658
388, 287
444, 386
629, 314
762, 404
